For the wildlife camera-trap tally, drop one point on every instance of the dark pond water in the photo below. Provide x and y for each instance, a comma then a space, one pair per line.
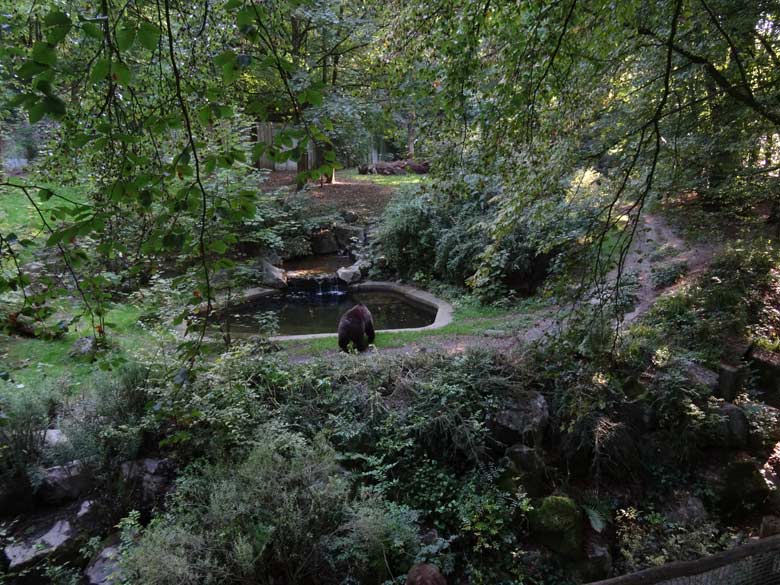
302, 312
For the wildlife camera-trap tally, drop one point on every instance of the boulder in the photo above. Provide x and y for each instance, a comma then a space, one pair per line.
732, 431
701, 376
83, 347
526, 470
271, 276
103, 568
150, 477
16, 496
686, 509
425, 574
521, 419
324, 242
349, 216
350, 274
64, 483
559, 524
767, 366
744, 489
34, 269
348, 236
598, 560
56, 536
54, 438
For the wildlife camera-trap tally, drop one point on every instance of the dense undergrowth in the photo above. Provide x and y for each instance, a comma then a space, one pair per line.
355, 471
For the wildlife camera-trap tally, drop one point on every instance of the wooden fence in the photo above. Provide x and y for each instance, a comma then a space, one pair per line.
755, 563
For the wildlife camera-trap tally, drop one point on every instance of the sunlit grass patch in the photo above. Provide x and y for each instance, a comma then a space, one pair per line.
386, 180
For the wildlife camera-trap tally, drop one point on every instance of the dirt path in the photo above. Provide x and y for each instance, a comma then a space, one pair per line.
362, 197
656, 235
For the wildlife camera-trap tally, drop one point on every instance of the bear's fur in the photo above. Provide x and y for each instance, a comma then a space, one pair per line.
356, 326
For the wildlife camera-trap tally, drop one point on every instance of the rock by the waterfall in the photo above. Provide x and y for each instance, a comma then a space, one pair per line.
63, 483
103, 568
350, 274
83, 347
521, 419
151, 477
54, 535
53, 438
272, 276
324, 242
347, 236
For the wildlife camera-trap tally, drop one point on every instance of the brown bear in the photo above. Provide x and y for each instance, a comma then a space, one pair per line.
357, 326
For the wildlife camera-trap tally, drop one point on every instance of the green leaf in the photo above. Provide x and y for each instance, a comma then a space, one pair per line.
42, 85
121, 73
125, 37
56, 18
44, 53
92, 30
36, 112
30, 69
225, 58
149, 35
229, 73
218, 246
45, 194
54, 106
597, 521
58, 25
99, 70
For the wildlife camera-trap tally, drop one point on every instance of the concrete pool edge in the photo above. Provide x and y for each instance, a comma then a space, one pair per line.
444, 310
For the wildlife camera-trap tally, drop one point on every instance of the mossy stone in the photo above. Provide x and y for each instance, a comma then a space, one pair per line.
744, 489
558, 523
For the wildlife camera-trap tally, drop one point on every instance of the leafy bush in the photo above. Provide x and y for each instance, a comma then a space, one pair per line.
443, 231
282, 513
665, 276
24, 417
647, 539
106, 427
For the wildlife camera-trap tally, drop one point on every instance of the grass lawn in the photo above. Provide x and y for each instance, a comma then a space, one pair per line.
37, 361
386, 180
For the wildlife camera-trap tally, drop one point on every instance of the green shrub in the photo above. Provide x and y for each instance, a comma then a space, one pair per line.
666, 276
647, 539
443, 231
105, 426
378, 541
281, 514
407, 234
24, 417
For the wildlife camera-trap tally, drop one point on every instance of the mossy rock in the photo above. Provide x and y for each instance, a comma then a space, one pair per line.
558, 523
744, 489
